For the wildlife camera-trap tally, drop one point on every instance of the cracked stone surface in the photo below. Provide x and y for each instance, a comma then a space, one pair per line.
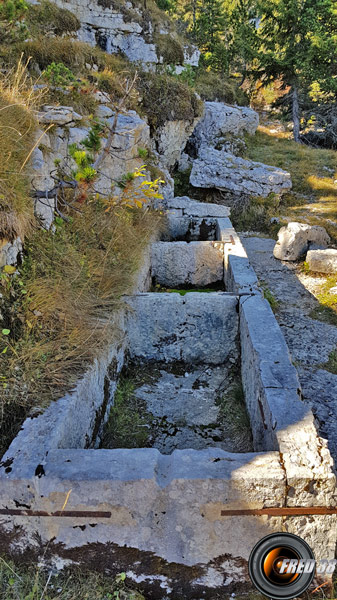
310, 341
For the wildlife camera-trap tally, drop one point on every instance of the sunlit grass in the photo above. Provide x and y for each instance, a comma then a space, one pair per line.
313, 198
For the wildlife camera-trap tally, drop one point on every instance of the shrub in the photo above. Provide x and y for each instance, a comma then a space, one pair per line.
12, 27
59, 75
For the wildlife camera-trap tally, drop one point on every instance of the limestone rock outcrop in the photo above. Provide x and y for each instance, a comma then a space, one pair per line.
171, 139
221, 120
128, 28
224, 171
217, 141
295, 239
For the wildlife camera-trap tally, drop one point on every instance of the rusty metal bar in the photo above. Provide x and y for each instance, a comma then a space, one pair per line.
74, 514
281, 511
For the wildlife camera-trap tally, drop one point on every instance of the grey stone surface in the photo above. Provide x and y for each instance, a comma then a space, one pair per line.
171, 139
224, 171
169, 506
294, 240
193, 208
132, 133
272, 392
239, 276
168, 509
9, 252
195, 328
190, 407
322, 261
104, 112
196, 264
220, 119
123, 28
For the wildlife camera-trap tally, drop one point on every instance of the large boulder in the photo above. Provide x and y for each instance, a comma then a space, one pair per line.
322, 261
220, 121
295, 239
224, 171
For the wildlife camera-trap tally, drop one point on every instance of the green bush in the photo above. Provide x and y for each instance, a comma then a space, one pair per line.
12, 27
58, 74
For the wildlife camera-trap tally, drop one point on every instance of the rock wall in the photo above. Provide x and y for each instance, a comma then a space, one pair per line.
127, 27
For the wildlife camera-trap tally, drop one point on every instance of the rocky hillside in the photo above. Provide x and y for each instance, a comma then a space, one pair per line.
98, 114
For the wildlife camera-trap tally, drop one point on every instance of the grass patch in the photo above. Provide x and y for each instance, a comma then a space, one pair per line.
327, 309
158, 288
214, 87
233, 410
313, 199
268, 295
178, 101
256, 215
17, 130
331, 365
129, 422
49, 18
30, 582
170, 49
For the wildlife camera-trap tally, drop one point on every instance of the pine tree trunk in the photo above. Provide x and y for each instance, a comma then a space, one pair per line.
296, 114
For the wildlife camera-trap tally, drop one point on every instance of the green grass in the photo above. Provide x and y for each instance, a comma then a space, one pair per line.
182, 292
31, 583
129, 423
268, 295
331, 365
327, 309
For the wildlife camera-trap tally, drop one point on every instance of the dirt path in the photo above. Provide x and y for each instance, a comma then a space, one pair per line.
310, 341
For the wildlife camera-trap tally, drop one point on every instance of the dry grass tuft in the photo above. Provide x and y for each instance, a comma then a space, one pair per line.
61, 309
17, 130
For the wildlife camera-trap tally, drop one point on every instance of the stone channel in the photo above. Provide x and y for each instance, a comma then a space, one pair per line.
212, 385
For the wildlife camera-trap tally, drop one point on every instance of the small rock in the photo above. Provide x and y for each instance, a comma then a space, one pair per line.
186, 374
322, 261
294, 240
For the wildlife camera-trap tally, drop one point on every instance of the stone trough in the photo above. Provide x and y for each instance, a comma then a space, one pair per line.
180, 521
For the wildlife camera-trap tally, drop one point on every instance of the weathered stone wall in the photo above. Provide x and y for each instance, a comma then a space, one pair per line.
182, 264
196, 328
127, 28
